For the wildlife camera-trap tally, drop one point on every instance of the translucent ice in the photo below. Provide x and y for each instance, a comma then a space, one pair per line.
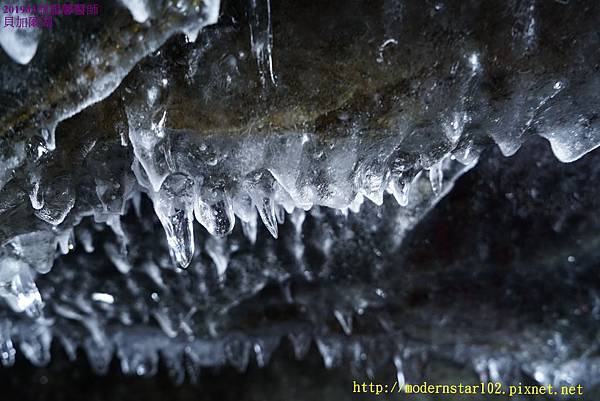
19, 43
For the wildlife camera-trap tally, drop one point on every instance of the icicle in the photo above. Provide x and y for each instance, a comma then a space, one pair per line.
173, 206
139, 360
371, 179
173, 357
237, 351
250, 230
345, 320
297, 218
215, 212
300, 343
118, 258
215, 247
69, 346
149, 137
263, 348
180, 235
399, 371
401, 184
153, 271
110, 194
99, 355
36, 346
358, 357
280, 214
165, 322
63, 240
35, 195
331, 351
136, 199
261, 38
266, 210
261, 186
466, 154
85, 238
354, 207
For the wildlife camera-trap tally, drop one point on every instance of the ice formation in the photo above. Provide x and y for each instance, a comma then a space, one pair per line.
331, 132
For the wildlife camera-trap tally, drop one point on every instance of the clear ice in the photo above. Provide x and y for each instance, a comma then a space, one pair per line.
205, 169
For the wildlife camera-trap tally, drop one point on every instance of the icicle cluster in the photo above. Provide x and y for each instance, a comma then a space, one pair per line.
218, 141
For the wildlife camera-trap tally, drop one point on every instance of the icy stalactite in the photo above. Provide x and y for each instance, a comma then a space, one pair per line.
139, 353
261, 38
148, 137
260, 186
173, 205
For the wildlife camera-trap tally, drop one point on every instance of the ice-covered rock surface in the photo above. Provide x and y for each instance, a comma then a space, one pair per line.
171, 190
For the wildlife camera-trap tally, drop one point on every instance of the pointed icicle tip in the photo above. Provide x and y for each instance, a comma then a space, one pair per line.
266, 210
